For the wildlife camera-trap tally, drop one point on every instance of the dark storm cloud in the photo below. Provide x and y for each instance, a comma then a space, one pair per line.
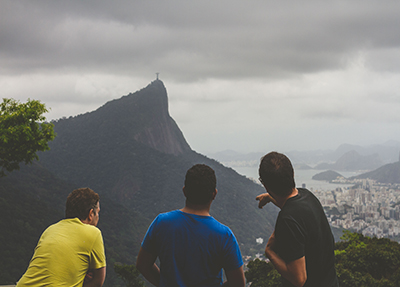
192, 40
282, 67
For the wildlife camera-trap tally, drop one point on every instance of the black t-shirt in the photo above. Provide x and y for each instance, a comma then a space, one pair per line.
303, 230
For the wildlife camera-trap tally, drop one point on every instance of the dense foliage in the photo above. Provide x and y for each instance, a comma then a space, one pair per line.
129, 274
32, 198
262, 274
360, 262
364, 261
22, 133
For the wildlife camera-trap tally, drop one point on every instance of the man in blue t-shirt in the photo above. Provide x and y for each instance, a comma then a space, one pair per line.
192, 246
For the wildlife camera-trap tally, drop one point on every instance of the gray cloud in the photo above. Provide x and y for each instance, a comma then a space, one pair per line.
287, 68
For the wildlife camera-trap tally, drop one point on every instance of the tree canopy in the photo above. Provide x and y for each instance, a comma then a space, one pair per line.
129, 274
361, 261
23, 133
365, 261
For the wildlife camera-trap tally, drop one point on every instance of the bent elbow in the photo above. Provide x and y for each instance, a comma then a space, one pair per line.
300, 281
139, 266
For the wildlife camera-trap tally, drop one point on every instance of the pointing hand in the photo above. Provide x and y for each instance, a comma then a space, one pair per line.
264, 199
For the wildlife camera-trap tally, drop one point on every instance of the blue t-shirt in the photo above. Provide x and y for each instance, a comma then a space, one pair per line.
192, 249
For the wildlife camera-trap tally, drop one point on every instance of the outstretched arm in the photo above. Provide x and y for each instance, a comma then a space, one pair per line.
235, 278
146, 265
294, 271
265, 198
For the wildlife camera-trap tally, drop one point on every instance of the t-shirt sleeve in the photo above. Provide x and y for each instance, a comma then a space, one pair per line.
290, 240
148, 243
97, 254
233, 257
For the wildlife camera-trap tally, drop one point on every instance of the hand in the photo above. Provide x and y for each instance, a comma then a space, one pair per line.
264, 199
88, 276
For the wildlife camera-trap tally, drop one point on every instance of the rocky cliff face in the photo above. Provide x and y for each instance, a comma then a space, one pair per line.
145, 118
159, 132
141, 116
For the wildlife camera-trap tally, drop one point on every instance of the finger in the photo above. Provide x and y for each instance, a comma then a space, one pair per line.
261, 196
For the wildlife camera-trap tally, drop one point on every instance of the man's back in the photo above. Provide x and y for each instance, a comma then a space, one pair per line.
192, 249
63, 254
303, 230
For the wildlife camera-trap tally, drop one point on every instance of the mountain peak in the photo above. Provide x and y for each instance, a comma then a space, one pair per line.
137, 117
158, 130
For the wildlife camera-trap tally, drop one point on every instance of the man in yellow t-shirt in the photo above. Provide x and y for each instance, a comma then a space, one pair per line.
70, 252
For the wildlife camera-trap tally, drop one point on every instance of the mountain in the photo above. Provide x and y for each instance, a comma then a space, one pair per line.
134, 155
352, 160
27, 207
349, 157
328, 175
387, 152
389, 173
33, 198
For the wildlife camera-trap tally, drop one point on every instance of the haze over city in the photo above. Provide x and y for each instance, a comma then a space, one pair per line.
240, 75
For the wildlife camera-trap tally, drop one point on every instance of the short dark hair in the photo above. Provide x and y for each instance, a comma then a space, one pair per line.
200, 184
277, 174
80, 202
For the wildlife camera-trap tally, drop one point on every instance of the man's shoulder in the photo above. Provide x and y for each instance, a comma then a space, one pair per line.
76, 224
179, 217
169, 215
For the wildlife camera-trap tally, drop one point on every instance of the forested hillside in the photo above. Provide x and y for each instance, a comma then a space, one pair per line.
134, 155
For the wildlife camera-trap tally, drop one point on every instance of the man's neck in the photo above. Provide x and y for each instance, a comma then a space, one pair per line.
197, 209
281, 201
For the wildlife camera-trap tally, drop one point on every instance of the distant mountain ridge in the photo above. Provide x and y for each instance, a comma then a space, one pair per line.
352, 160
346, 157
389, 173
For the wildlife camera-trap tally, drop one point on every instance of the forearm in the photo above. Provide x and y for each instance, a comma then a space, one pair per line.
146, 265
152, 274
97, 279
235, 278
279, 263
295, 271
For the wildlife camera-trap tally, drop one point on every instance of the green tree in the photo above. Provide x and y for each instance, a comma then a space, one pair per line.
365, 261
262, 274
23, 133
129, 274
361, 261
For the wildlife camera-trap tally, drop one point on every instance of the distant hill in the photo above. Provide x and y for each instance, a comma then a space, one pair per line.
352, 160
389, 173
328, 175
369, 157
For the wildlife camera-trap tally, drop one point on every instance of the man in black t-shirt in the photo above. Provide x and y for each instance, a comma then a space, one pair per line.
302, 246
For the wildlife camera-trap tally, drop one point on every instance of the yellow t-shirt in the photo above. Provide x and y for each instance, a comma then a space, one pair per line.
65, 252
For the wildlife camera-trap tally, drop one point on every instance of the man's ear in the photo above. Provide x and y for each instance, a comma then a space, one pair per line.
184, 191
215, 194
91, 214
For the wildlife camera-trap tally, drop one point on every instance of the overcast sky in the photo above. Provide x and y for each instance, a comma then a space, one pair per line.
240, 75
